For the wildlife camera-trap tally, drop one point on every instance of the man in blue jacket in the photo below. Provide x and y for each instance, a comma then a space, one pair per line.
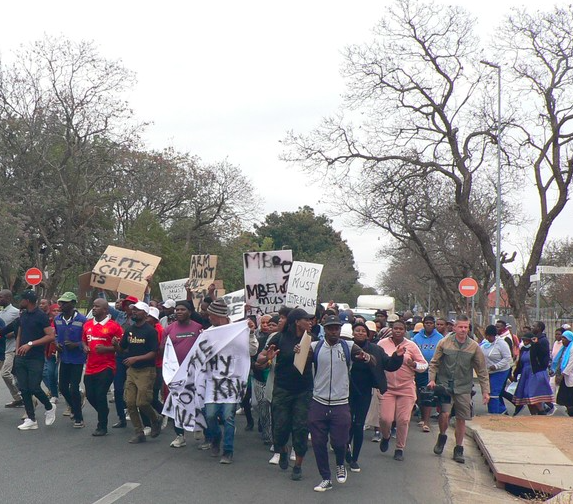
427, 340
69, 326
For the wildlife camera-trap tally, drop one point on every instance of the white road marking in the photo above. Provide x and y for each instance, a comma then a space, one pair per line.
118, 493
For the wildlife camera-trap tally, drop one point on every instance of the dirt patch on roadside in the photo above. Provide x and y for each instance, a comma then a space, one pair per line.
559, 430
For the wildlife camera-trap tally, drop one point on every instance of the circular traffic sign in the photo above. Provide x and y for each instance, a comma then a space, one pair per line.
468, 287
33, 276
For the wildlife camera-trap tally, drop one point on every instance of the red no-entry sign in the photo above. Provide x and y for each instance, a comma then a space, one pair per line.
33, 276
468, 287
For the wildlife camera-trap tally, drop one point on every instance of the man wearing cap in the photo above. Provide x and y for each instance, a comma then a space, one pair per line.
292, 390
168, 313
9, 315
124, 307
182, 334
138, 348
97, 338
329, 412
69, 328
34, 333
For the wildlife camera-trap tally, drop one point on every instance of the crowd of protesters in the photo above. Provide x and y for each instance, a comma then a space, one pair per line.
358, 373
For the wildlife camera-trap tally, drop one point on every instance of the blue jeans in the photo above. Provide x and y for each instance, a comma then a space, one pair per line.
50, 375
225, 412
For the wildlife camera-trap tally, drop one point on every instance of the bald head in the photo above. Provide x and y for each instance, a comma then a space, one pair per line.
100, 309
5, 297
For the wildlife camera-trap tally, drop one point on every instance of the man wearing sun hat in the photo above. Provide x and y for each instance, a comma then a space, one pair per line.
69, 328
138, 348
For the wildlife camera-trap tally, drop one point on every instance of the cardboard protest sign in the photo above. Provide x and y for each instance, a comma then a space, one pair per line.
123, 270
236, 304
197, 296
301, 358
266, 277
302, 289
215, 370
202, 272
85, 288
174, 289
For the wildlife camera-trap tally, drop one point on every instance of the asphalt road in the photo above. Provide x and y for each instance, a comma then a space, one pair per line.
63, 464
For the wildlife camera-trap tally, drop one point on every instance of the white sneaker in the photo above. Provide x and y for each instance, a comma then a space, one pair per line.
275, 459
341, 474
147, 431
323, 486
51, 415
54, 400
28, 425
293, 455
178, 442
272, 448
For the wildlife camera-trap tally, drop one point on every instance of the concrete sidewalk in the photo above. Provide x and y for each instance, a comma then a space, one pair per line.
526, 459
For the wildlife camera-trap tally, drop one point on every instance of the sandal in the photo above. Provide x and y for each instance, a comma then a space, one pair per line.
425, 428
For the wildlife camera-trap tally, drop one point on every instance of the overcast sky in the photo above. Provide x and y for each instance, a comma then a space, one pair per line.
228, 79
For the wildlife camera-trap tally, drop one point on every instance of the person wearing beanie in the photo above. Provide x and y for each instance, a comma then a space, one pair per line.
218, 313
498, 360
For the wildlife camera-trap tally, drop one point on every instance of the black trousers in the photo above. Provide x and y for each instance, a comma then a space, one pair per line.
97, 386
70, 378
28, 373
359, 405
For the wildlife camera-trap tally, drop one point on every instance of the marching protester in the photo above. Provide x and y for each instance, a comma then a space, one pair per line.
97, 337
34, 333
182, 335
329, 412
563, 369
69, 328
137, 348
427, 340
292, 391
363, 379
533, 388
498, 360
9, 315
452, 366
397, 403
260, 377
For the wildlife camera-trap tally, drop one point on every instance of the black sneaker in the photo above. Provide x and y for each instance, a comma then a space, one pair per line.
384, 444
99, 432
354, 467
283, 461
399, 455
296, 473
440, 443
341, 474
459, 454
122, 424
323, 486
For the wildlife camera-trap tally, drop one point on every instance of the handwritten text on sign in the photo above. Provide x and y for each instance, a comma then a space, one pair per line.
302, 289
216, 369
202, 271
266, 277
124, 270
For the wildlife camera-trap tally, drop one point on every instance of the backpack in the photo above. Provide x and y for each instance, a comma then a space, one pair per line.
345, 349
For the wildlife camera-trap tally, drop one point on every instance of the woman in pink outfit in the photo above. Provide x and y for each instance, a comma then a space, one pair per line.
397, 403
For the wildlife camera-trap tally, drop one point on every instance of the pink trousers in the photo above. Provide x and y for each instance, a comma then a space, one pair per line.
395, 407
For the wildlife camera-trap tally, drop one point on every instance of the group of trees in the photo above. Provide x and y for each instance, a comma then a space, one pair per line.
76, 177
413, 147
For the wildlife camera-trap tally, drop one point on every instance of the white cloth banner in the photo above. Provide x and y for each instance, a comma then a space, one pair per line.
170, 362
302, 290
215, 370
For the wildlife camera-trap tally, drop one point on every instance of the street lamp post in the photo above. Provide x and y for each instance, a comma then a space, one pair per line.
498, 202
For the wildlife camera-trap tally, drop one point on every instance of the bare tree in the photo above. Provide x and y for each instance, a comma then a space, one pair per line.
421, 100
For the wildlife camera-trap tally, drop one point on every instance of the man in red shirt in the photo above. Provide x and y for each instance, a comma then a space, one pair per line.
100, 364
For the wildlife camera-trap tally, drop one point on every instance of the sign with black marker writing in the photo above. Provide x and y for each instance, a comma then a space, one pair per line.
215, 370
124, 270
302, 290
266, 277
202, 272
